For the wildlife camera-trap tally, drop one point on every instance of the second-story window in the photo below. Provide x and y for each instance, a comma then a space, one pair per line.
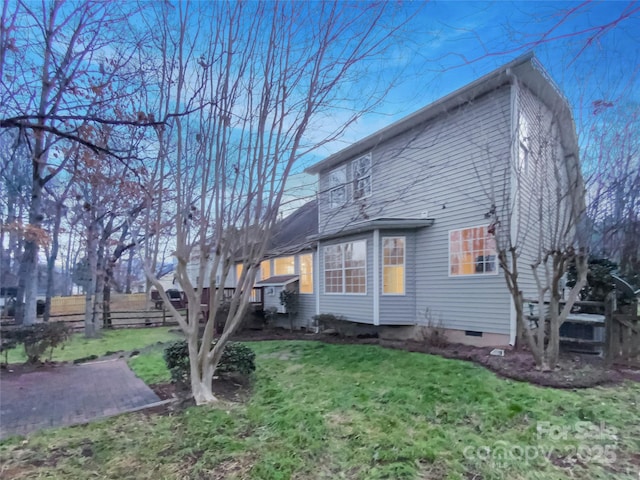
337, 187
361, 170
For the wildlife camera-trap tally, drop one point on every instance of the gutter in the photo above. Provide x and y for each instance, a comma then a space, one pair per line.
458, 97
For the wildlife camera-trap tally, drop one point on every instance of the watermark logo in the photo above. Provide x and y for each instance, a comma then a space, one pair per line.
581, 431
565, 445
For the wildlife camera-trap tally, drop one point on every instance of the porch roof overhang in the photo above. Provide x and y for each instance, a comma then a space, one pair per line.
277, 281
377, 224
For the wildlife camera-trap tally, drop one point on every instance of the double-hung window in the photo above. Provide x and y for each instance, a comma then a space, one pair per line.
472, 251
265, 269
337, 187
239, 270
393, 265
284, 266
345, 268
361, 174
306, 273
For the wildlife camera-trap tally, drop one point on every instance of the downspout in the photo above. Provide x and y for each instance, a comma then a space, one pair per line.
514, 128
376, 277
316, 274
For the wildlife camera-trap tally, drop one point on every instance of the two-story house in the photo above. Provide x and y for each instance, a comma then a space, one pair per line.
403, 232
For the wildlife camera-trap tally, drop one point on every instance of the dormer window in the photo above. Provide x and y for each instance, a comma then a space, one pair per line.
337, 187
361, 174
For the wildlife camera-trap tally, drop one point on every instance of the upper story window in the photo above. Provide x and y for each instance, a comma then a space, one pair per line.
337, 187
361, 174
472, 251
283, 266
345, 268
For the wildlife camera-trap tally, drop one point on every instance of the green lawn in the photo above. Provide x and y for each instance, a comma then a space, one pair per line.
111, 341
150, 366
322, 411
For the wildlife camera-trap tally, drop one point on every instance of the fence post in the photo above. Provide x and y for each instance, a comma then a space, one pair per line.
609, 330
164, 316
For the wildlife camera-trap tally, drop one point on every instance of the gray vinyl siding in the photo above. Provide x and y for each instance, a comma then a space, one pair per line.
306, 301
304, 318
536, 189
353, 307
307, 309
451, 169
412, 173
193, 269
399, 309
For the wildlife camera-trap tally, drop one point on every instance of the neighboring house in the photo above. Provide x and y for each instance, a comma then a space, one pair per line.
168, 280
403, 233
288, 264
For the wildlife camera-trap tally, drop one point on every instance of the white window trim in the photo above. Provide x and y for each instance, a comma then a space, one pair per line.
354, 179
343, 269
404, 266
342, 186
468, 275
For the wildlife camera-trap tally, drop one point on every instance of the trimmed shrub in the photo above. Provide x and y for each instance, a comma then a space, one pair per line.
37, 339
236, 358
328, 321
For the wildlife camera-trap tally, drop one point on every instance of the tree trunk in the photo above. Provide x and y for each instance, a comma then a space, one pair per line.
68, 283
201, 378
129, 270
106, 304
90, 327
20, 292
553, 345
51, 261
29, 263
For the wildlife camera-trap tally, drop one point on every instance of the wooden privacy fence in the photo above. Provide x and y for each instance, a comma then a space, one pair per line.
623, 336
76, 303
119, 319
606, 327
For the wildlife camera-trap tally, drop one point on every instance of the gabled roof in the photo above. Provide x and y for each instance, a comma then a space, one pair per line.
291, 234
527, 70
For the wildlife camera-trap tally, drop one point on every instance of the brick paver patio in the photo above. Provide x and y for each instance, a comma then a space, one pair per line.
69, 395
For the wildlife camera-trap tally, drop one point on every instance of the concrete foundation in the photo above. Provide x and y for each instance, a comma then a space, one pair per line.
422, 333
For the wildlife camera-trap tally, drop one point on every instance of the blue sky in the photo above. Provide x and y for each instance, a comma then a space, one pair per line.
452, 43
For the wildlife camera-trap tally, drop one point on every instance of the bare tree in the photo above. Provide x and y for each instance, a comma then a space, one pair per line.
14, 201
536, 204
59, 73
612, 162
259, 78
56, 210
